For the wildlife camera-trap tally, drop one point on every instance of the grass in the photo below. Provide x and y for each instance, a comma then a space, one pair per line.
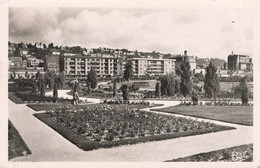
16, 145
89, 128
233, 114
242, 153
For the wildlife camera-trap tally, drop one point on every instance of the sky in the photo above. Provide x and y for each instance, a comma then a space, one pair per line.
203, 32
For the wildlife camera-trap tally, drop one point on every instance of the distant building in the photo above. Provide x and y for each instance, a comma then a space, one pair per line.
151, 66
17, 63
55, 52
23, 51
52, 63
79, 65
39, 45
240, 62
179, 59
11, 49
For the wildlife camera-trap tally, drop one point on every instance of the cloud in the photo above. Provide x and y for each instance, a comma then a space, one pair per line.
203, 32
31, 23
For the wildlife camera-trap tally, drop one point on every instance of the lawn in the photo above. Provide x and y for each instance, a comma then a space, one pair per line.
104, 126
234, 114
243, 153
16, 145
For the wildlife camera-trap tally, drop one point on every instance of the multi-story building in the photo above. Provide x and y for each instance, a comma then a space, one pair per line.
79, 65
151, 66
240, 62
17, 63
52, 63
192, 60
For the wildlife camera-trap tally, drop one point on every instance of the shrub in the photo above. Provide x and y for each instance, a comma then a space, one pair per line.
195, 99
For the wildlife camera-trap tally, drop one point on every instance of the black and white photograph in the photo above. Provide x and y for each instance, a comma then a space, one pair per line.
172, 83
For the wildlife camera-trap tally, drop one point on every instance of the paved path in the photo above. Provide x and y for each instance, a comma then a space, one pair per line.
47, 145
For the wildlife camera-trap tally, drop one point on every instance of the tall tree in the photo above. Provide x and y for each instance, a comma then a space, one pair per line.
128, 73
168, 84
185, 74
125, 91
42, 89
55, 90
243, 90
92, 78
114, 89
211, 82
34, 88
158, 89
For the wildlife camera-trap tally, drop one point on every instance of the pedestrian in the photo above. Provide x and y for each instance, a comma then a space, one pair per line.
76, 98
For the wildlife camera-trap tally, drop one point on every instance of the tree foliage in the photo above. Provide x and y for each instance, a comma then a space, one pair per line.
128, 73
158, 89
186, 76
168, 84
55, 90
243, 90
114, 89
125, 91
92, 78
211, 82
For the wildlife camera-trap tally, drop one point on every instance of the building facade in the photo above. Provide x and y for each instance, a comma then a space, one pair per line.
79, 66
192, 60
52, 63
151, 66
240, 62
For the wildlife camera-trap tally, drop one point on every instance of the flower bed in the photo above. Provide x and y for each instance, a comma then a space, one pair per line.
16, 145
38, 98
119, 101
243, 153
216, 103
104, 126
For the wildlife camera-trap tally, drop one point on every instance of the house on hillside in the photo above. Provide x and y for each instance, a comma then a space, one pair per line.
179, 59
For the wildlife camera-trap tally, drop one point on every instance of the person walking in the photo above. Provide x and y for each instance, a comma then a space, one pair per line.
76, 98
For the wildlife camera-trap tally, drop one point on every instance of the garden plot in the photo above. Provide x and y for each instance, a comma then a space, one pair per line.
107, 126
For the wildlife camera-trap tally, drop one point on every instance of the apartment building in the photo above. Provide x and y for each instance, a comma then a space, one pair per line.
52, 63
79, 65
192, 60
240, 62
151, 66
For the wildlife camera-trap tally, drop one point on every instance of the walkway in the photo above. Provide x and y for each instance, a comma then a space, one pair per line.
47, 145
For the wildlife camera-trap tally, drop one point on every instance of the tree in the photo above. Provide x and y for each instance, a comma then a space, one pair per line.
185, 74
89, 87
114, 89
158, 89
243, 90
55, 90
211, 81
194, 98
125, 91
42, 89
128, 73
49, 79
168, 84
34, 88
61, 79
92, 78
50, 46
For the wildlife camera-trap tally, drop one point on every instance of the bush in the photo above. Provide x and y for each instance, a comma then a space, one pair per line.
195, 99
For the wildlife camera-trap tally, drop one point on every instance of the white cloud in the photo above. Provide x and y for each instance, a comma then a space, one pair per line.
205, 33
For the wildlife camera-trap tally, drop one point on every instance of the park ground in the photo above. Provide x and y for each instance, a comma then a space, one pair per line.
60, 149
